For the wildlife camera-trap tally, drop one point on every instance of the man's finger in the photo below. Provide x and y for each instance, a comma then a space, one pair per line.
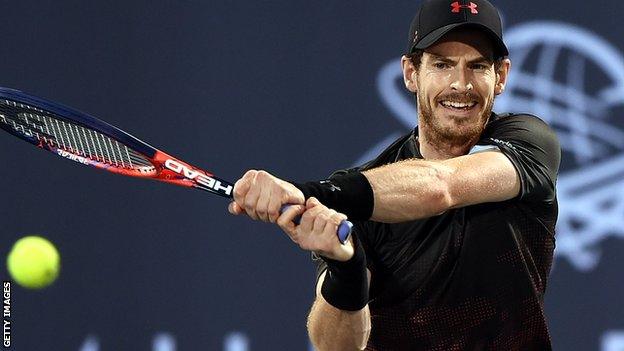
308, 218
333, 221
320, 222
235, 209
250, 202
337, 217
312, 202
287, 218
274, 207
262, 206
241, 187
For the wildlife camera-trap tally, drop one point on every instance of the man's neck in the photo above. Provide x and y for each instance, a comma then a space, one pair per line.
435, 150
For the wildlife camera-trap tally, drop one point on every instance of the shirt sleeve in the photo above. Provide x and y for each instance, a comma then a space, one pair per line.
532, 147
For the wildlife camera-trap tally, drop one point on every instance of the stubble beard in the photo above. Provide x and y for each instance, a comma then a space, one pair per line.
451, 136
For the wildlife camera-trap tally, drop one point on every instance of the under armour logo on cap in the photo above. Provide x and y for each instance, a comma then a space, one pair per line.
456, 6
434, 20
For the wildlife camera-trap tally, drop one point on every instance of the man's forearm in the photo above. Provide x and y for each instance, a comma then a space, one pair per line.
330, 328
409, 190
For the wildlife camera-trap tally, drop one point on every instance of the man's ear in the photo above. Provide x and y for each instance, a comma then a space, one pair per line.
501, 76
409, 74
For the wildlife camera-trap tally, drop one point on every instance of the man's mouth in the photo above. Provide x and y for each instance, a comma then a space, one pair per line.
458, 106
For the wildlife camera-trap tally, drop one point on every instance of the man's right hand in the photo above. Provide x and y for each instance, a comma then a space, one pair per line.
261, 196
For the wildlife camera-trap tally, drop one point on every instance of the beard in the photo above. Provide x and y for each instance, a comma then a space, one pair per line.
461, 133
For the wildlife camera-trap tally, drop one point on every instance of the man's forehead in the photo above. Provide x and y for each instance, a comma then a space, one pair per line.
471, 41
450, 57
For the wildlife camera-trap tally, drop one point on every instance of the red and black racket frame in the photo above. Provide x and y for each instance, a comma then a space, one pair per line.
158, 158
166, 168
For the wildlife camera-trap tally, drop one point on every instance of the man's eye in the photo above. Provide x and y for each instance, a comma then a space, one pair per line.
441, 65
479, 66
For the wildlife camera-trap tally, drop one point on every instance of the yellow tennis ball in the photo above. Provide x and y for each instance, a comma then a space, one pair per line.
33, 262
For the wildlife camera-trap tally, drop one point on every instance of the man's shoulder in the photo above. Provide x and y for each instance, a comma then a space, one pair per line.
522, 125
502, 119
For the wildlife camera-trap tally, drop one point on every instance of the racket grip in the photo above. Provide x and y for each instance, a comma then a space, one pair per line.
343, 232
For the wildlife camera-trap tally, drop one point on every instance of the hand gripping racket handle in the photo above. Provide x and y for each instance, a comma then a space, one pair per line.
343, 232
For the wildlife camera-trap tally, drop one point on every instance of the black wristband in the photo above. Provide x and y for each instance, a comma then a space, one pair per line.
346, 283
350, 194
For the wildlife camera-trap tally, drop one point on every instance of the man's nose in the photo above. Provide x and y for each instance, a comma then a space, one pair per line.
461, 81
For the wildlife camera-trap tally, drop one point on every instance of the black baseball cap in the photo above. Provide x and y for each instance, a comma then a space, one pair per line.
435, 18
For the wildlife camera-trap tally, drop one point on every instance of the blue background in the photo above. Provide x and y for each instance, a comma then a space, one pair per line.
293, 87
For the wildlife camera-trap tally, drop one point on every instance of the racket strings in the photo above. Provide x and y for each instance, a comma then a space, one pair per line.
69, 137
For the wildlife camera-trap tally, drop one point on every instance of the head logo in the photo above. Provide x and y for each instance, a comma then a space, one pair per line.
456, 7
569, 59
199, 177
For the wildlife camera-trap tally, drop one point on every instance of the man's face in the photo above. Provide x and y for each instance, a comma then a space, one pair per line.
456, 84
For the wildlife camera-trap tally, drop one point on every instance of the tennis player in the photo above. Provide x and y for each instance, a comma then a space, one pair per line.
454, 222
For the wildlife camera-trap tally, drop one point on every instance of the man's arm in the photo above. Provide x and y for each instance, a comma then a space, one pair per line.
414, 189
260, 195
330, 328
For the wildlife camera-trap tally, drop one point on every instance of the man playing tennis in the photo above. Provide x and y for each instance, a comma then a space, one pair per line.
453, 223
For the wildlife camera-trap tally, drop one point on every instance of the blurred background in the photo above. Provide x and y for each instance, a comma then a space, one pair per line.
298, 88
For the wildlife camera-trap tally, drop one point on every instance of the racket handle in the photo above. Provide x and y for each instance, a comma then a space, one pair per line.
343, 232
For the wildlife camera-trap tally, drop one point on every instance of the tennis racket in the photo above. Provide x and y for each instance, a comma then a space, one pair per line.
87, 140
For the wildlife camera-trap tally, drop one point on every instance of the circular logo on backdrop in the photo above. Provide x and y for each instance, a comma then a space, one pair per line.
574, 80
